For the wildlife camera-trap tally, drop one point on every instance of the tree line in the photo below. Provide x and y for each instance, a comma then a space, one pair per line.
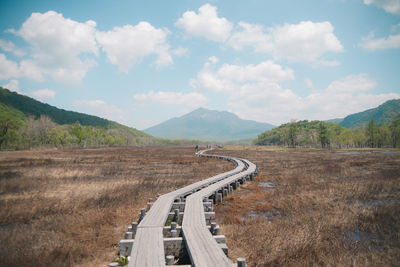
43, 132
18, 133
330, 135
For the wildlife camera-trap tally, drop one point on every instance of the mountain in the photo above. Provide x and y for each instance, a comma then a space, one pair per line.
381, 114
209, 125
24, 106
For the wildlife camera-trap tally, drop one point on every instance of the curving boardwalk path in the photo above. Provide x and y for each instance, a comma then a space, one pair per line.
145, 243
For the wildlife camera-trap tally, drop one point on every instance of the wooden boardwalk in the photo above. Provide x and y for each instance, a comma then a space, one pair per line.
146, 247
202, 248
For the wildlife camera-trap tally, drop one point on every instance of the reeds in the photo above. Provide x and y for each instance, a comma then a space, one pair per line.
71, 207
326, 208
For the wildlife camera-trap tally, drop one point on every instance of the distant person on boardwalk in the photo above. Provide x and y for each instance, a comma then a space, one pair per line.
197, 148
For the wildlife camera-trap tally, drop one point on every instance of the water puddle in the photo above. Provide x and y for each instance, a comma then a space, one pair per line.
367, 239
367, 152
361, 170
380, 202
356, 152
267, 215
5, 227
9, 175
266, 184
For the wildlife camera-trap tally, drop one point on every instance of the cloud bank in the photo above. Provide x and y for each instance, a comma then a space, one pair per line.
255, 92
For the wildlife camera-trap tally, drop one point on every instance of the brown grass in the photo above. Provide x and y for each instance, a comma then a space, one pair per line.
327, 208
71, 207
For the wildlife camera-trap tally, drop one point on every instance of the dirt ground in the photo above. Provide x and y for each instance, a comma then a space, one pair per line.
71, 207
315, 208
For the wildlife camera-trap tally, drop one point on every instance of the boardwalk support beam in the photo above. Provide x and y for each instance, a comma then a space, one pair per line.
157, 239
241, 262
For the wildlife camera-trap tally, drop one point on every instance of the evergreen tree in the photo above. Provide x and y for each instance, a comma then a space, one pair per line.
292, 134
394, 127
382, 136
323, 135
370, 131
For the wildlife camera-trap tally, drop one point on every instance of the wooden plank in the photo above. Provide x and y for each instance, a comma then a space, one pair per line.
158, 213
148, 248
201, 246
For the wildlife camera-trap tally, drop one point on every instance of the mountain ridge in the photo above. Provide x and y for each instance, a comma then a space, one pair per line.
208, 125
32, 107
381, 114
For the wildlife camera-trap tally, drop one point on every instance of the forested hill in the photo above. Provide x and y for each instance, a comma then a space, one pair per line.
31, 107
301, 133
381, 115
377, 127
328, 134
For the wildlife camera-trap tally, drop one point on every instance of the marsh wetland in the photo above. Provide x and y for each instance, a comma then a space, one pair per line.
307, 207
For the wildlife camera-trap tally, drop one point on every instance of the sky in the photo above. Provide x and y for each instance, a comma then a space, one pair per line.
143, 62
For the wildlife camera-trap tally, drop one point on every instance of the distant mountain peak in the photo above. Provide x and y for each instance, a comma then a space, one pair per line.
209, 113
209, 125
200, 109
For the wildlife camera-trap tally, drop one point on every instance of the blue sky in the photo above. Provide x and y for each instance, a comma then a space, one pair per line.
143, 62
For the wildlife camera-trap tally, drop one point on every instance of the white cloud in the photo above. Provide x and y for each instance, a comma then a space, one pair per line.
254, 92
266, 102
252, 35
390, 6
304, 42
325, 63
30, 70
271, 103
213, 59
172, 98
10, 47
371, 43
102, 109
180, 51
127, 45
228, 77
12, 85
208, 80
43, 94
265, 71
205, 23
351, 84
60, 47
8, 69
66, 50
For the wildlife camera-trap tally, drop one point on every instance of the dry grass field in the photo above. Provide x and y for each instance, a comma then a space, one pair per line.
71, 207
307, 207
315, 208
